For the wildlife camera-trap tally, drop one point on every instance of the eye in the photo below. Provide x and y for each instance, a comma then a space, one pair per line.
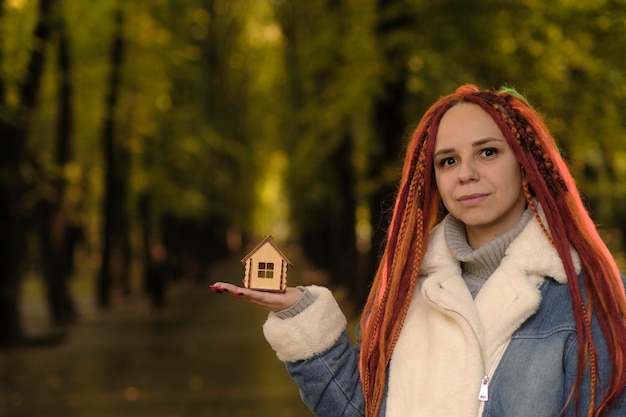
489, 152
447, 161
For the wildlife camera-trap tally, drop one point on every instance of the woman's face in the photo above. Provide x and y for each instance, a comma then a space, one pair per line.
477, 174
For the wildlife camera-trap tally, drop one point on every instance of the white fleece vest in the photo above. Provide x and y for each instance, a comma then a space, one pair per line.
450, 341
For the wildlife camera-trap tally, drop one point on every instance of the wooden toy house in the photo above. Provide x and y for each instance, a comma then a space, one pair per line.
266, 267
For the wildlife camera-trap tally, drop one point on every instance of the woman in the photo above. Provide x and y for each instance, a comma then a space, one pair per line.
495, 295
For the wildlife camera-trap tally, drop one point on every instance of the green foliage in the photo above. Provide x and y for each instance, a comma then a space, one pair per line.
216, 92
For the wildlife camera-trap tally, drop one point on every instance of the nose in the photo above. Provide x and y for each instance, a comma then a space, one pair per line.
467, 171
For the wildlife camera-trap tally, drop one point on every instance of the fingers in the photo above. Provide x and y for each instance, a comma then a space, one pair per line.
222, 287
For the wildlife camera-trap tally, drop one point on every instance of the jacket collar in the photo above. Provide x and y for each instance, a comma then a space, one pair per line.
510, 295
532, 252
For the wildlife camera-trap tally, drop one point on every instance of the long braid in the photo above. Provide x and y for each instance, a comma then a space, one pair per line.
588, 352
386, 312
531, 145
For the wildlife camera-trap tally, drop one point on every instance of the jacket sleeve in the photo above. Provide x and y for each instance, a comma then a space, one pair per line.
319, 356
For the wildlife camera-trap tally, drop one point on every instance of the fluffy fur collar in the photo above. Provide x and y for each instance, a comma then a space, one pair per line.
532, 251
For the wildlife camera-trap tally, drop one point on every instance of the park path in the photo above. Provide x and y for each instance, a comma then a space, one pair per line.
205, 356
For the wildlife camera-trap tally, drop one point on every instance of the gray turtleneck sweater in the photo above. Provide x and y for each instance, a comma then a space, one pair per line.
478, 265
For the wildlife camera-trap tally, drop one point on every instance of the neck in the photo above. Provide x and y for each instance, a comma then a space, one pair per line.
478, 265
477, 238
480, 236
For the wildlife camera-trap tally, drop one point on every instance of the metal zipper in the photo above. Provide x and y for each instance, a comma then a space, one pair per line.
483, 392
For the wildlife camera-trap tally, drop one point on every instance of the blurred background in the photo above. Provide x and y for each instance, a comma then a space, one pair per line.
146, 146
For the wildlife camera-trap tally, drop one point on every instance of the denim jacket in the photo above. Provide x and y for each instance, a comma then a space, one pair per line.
531, 368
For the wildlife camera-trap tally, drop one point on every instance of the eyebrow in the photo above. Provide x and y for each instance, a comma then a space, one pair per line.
475, 144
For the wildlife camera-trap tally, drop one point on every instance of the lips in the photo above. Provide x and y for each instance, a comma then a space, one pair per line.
472, 199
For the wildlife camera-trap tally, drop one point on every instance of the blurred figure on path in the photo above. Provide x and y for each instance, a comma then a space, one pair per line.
157, 276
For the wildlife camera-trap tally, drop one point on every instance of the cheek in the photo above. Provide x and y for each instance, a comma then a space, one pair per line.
438, 182
444, 185
515, 176
511, 181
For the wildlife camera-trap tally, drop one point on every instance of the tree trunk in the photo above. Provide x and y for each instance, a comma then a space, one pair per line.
113, 182
12, 228
342, 247
14, 132
56, 235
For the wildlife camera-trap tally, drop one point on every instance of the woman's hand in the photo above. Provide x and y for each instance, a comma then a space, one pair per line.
270, 301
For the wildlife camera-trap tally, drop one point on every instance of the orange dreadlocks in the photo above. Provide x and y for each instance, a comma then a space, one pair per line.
548, 180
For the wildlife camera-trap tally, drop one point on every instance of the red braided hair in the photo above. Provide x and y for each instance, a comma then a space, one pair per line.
547, 179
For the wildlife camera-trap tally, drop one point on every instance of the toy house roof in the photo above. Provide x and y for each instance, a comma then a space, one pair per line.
268, 239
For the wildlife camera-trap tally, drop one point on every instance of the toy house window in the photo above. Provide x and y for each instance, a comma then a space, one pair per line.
266, 270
